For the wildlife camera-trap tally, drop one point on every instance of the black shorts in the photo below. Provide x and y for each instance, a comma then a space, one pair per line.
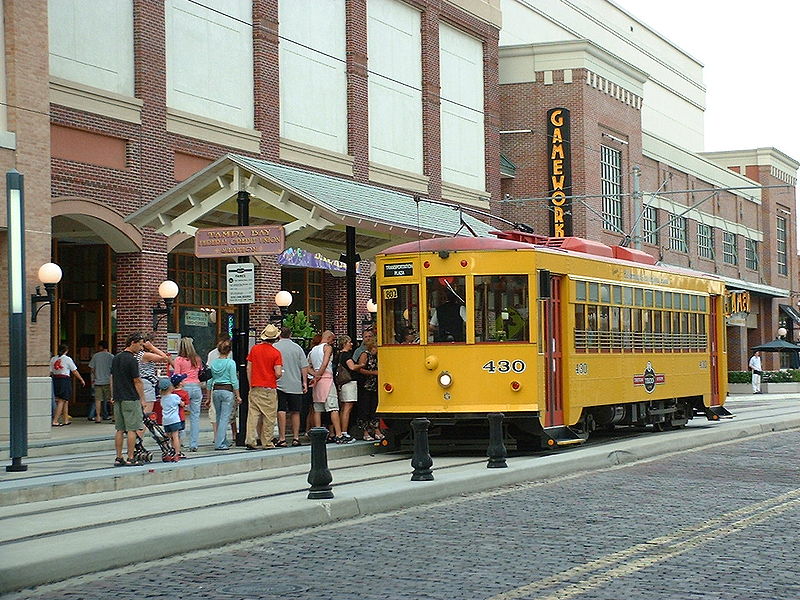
62, 387
289, 402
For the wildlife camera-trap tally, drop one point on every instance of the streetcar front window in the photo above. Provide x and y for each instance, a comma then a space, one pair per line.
447, 308
400, 314
501, 308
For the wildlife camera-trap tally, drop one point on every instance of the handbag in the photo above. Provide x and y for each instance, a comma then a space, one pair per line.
204, 374
342, 376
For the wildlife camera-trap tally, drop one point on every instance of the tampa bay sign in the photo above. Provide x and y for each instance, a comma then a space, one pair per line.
559, 165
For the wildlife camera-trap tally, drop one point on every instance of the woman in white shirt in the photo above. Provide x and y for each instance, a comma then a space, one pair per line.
62, 367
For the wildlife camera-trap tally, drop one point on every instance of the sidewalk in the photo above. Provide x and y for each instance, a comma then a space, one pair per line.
222, 498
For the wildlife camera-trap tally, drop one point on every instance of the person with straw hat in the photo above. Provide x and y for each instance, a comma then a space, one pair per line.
264, 368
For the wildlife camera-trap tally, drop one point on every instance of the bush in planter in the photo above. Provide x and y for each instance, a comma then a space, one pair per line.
739, 377
301, 326
776, 377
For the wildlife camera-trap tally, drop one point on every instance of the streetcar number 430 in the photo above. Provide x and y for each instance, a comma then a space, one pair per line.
504, 366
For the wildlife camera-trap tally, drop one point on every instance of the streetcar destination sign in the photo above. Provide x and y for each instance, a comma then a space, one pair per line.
398, 270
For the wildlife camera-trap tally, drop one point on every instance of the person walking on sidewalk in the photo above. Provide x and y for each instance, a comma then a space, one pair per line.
189, 363
100, 364
291, 386
224, 386
62, 367
171, 404
325, 398
127, 397
264, 368
755, 368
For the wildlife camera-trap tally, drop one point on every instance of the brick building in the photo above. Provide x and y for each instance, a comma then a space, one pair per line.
140, 111
635, 104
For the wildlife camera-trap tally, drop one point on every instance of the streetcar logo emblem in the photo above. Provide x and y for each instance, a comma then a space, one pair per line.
649, 379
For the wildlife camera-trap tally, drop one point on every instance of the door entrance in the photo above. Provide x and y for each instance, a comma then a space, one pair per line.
82, 326
714, 358
553, 353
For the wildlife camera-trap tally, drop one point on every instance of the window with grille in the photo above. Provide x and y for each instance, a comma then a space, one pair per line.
705, 241
751, 254
650, 225
678, 239
730, 253
781, 246
611, 187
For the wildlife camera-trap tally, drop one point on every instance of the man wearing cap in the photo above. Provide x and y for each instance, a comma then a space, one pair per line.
264, 368
127, 397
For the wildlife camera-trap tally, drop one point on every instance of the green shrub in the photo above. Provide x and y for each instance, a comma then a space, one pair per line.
300, 324
777, 377
739, 377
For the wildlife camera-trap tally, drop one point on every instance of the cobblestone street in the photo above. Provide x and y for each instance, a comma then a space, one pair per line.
716, 523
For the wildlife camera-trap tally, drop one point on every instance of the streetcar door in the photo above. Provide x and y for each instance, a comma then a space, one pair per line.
554, 400
713, 334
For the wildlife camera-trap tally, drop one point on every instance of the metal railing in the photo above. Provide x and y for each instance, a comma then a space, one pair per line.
633, 341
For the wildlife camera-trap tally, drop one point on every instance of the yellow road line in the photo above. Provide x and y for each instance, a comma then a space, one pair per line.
658, 549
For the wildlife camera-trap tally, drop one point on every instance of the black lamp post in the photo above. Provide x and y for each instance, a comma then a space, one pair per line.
283, 300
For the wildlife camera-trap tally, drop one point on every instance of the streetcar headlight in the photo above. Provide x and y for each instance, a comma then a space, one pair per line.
445, 379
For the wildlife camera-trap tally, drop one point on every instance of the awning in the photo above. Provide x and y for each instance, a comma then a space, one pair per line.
791, 312
759, 288
314, 208
297, 257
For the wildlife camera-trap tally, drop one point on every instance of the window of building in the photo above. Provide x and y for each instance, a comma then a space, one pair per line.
307, 290
400, 314
730, 253
705, 241
501, 308
751, 254
611, 187
650, 225
446, 309
678, 239
781, 247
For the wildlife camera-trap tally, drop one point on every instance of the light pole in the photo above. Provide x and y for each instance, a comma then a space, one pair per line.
283, 300
168, 290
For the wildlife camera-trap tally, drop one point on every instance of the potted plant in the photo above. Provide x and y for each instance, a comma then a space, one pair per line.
301, 326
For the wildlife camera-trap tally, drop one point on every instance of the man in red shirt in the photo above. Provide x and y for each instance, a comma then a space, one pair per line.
264, 368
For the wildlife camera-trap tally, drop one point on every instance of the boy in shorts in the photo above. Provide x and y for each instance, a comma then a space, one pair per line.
171, 416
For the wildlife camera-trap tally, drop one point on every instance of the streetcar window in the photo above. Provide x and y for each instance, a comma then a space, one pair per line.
685, 301
648, 297
400, 314
605, 293
580, 291
659, 299
593, 294
446, 306
667, 299
701, 303
616, 292
627, 295
501, 308
638, 297
693, 300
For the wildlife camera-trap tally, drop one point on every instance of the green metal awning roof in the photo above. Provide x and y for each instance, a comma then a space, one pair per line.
313, 207
507, 168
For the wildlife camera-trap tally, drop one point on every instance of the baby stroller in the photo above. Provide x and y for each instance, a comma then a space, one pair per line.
161, 438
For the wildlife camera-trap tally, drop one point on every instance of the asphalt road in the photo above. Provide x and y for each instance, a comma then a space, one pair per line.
714, 523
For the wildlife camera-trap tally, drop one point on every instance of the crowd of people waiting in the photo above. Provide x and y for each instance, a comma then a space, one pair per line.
334, 384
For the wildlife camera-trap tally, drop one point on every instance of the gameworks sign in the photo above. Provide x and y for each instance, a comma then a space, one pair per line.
560, 172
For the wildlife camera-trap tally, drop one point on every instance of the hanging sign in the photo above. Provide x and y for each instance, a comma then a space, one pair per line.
559, 165
238, 241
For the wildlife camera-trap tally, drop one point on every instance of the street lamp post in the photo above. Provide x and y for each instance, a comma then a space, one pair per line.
283, 300
167, 291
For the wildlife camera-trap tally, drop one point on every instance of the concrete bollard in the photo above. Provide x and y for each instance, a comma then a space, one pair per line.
421, 461
319, 477
497, 450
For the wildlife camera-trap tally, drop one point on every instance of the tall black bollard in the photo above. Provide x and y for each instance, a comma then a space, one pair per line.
421, 461
319, 477
497, 450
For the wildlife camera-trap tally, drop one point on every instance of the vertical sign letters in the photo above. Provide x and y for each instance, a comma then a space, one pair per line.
560, 172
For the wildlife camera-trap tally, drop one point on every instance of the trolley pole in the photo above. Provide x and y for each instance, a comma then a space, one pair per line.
241, 342
637, 209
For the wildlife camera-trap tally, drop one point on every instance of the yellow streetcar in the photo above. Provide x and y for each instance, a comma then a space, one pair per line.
562, 335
